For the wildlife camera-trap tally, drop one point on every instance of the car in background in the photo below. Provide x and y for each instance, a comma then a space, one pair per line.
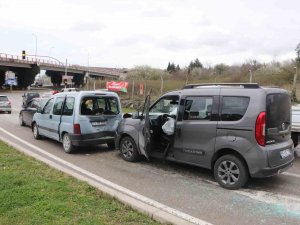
5, 104
85, 118
69, 89
47, 95
27, 112
27, 96
10, 82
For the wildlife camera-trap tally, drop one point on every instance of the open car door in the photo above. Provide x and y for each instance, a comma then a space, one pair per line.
144, 133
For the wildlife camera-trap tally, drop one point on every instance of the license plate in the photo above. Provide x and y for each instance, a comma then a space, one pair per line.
285, 153
100, 123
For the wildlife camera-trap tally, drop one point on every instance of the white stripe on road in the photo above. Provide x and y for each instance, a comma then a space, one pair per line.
160, 208
291, 174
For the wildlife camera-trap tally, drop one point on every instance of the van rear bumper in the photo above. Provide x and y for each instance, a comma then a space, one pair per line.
271, 171
92, 139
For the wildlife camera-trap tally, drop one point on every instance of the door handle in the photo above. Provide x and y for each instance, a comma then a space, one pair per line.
50, 116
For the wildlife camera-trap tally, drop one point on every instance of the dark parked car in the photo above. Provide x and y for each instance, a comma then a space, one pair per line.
236, 130
27, 112
27, 96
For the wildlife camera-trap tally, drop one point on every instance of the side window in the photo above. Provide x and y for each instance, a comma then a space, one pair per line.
58, 105
69, 106
234, 108
48, 106
198, 108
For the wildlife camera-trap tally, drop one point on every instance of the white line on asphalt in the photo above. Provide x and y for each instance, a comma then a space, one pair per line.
109, 184
291, 174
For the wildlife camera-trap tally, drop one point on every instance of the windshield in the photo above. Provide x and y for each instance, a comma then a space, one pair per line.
166, 105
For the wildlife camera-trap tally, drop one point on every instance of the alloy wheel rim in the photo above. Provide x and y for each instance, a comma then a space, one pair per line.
127, 149
228, 172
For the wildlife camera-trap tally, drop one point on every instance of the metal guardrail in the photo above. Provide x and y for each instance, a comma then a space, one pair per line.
40, 61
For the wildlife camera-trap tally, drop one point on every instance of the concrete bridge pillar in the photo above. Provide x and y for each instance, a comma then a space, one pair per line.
26, 76
2, 77
56, 77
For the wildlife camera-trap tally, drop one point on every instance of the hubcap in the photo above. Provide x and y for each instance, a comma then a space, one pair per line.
127, 149
66, 143
228, 172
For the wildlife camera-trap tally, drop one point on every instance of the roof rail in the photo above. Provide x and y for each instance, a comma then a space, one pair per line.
245, 85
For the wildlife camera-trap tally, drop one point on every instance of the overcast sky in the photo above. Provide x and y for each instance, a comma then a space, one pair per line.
127, 33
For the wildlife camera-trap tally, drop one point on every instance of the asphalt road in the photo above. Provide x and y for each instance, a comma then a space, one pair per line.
189, 189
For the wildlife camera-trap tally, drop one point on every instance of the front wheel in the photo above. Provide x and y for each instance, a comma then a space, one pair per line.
231, 172
35, 131
67, 144
129, 150
21, 121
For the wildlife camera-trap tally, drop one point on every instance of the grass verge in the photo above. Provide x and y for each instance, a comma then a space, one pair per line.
33, 193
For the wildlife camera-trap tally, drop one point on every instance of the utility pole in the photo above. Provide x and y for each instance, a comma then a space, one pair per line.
161, 84
251, 76
294, 96
35, 45
132, 92
66, 70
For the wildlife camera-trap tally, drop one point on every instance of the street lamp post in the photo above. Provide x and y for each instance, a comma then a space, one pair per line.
35, 44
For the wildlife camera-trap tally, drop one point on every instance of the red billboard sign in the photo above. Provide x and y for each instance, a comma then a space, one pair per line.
121, 86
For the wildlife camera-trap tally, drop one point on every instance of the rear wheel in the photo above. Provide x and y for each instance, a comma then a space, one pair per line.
129, 150
35, 131
21, 121
67, 144
231, 172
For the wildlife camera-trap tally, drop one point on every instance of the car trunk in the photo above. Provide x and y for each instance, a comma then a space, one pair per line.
278, 128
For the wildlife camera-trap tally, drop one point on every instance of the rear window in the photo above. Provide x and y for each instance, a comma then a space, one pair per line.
278, 111
3, 98
98, 105
234, 108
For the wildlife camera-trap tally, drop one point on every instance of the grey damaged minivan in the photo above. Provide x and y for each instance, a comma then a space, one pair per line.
236, 130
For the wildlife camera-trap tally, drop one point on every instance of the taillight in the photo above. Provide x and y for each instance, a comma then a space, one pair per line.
76, 128
260, 127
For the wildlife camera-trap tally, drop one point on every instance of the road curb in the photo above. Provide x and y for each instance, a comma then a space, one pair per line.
141, 203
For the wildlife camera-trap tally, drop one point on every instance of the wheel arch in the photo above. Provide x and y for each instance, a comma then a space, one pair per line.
228, 151
128, 135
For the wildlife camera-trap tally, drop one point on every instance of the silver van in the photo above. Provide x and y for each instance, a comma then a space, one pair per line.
236, 130
77, 119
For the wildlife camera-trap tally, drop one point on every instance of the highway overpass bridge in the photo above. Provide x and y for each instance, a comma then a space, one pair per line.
26, 70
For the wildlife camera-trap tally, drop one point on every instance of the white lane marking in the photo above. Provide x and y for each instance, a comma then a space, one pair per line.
291, 174
114, 186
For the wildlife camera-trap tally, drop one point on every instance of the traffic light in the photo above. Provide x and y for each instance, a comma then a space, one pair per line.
23, 54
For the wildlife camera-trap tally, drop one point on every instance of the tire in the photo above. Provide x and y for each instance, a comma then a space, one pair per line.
129, 150
67, 144
9, 112
21, 121
231, 172
35, 131
111, 145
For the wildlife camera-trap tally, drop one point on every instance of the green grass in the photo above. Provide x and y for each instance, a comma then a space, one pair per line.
33, 193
